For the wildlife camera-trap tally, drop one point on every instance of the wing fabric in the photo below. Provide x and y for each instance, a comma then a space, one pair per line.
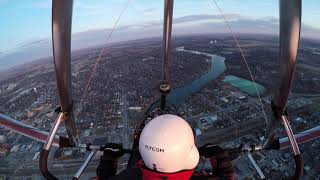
26, 130
302, 137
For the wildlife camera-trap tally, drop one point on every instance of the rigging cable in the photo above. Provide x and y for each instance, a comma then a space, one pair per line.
101, 52
243, 57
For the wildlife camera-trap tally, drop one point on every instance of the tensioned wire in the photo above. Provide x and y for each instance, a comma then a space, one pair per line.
100, 54
214, 2
229, 28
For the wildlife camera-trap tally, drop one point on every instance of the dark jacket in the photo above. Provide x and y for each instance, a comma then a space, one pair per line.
219, 159
136, 174
142, 172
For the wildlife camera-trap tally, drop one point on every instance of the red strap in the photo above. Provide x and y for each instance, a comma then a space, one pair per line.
214, 165
214, 162
153, 175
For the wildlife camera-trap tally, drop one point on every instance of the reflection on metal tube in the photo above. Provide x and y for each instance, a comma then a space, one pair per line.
53, 131
290, 25
167, 28
291, 137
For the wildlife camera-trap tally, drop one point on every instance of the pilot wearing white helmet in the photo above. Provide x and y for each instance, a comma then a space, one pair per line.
168, 151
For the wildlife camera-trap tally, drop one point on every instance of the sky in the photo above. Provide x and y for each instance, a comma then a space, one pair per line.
25, 22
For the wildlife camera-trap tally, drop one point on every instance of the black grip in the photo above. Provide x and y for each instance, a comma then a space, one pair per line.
129, 151
234, 153
44, 166
275, 145
64, 142
299, 167
234, 150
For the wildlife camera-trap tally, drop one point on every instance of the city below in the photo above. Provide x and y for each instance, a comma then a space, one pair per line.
211, 88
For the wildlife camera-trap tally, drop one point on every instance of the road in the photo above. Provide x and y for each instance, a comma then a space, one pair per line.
126, 128
226, 134
62, 171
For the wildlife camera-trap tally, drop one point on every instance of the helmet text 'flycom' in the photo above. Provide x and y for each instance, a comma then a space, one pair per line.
153, 148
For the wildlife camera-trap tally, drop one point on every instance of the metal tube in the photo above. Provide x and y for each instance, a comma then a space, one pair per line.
94, 147
167, 28
85, 164
289, 32
255, 166
290, 26
53, 131
61, 45
163, 101
290, 134
43, 164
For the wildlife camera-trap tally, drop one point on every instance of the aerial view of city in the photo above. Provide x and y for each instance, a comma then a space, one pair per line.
126, 81
229, 73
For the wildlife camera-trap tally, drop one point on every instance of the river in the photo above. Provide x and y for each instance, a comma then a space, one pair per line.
218, 66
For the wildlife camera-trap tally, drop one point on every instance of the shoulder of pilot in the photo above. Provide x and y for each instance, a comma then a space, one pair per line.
132, 173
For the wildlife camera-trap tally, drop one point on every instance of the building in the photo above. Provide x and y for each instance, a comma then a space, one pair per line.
198, 132
1, 138
213, 118
15, 148
4, 150
306, 168
134, 111
87, 133
238, 95
36, 156
205, 123
119, 128
137, 108
67, 153
224, 100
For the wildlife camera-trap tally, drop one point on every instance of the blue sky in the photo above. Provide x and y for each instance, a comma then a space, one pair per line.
29, 20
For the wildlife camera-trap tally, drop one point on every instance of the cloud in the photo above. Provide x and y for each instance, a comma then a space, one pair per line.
202, 18
193, 18
193, 24
34, 44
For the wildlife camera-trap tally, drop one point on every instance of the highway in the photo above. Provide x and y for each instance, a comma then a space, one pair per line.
232, 132
126, 128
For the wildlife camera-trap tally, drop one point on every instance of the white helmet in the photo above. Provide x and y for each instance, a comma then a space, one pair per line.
167, 144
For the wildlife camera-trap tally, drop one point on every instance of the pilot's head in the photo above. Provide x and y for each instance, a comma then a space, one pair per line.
167, 145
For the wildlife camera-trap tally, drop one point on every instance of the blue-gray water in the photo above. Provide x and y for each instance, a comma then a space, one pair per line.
217, 68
